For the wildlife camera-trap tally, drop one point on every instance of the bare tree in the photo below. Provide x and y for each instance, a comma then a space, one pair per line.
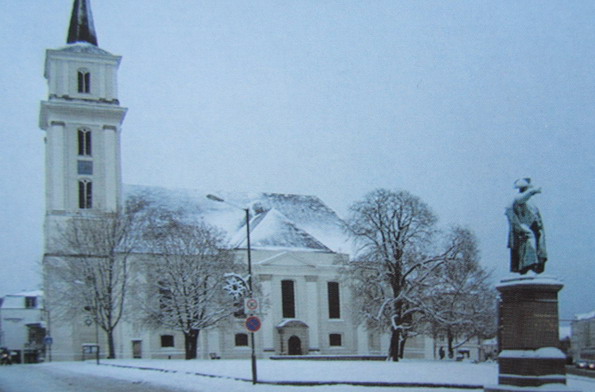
185, 278
395, 232
460, 301
87, 268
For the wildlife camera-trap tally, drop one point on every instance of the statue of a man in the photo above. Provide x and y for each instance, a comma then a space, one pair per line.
526, 238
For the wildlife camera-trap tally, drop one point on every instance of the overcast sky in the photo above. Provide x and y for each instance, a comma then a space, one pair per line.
450, 100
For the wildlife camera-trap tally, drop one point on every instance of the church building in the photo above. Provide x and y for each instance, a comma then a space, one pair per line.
297, 241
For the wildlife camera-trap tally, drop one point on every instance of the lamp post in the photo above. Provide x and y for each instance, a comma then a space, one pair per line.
247, 212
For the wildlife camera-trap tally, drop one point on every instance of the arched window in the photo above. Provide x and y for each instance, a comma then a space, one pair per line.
241, 339
85, 194
84, 142
84, 81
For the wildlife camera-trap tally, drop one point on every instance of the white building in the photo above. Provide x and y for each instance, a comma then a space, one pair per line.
22, 326
296, 240
582, 336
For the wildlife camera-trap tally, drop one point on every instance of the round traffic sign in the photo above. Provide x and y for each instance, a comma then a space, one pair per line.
253, 324
251, 304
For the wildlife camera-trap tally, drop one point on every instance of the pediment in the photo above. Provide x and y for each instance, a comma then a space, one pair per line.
288, 259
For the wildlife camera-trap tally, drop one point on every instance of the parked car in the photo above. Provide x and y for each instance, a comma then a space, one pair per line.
584, 364
5, 357
586, 360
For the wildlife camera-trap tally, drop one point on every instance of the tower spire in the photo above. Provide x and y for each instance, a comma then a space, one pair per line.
81, 24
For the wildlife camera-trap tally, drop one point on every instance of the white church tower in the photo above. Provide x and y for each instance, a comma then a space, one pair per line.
82, 117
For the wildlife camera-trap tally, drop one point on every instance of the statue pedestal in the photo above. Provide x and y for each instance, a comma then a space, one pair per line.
529, 336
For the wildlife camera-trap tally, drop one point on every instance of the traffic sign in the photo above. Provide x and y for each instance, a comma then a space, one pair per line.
253, 324
48, 340
250, 305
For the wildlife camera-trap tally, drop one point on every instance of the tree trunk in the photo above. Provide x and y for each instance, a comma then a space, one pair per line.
111, 347
191, 343
450, 337
393, 350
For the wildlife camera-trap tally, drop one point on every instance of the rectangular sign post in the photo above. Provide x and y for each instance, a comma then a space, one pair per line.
251, 306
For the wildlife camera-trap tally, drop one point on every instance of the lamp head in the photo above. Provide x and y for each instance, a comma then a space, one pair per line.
215, 198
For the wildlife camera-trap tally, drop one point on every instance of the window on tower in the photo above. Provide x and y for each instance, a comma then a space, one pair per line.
84, 81
84, 142
85, 194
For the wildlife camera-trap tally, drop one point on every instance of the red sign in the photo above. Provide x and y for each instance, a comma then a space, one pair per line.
251, 305
253, 324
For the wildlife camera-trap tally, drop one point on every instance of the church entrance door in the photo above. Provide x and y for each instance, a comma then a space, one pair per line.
294, 346
137, 349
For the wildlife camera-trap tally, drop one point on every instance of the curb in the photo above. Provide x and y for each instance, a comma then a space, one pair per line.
312, 383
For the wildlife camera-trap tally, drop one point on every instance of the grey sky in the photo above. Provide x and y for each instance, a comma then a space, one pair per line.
451, 100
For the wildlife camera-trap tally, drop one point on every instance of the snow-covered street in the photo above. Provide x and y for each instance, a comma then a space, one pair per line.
53, 377
181, 376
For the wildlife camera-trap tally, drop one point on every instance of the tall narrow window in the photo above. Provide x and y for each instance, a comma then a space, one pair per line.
334, 303
85, 194
287, 299
84, 81
84, 142
165, 296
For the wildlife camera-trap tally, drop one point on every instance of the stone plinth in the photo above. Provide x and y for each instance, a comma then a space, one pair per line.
529, 335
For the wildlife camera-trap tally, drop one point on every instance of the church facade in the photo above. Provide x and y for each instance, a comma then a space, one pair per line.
297, 241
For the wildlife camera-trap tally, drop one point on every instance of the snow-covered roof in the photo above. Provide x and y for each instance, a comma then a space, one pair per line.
585, 316
84, 47
33, 293
277, 221
16, 301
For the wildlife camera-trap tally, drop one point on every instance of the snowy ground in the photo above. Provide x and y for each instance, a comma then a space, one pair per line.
181, 375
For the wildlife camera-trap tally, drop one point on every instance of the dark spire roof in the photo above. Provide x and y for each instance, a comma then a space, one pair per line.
81, 24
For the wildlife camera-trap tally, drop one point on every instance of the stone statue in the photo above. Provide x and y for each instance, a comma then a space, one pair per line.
526, 238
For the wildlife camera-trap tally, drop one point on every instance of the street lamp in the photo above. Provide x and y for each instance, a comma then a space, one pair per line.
247, 212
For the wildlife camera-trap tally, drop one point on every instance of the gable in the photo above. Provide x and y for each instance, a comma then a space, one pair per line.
285, 259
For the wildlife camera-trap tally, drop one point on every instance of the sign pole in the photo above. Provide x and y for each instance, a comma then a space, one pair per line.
253, 358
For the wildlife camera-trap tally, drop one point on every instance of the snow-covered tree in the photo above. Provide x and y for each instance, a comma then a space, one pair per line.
185, 278
395, 231
87, 268
460, 300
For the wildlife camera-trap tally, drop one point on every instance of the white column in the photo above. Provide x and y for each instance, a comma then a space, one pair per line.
268, 330
313, 311
111, 167
55, 167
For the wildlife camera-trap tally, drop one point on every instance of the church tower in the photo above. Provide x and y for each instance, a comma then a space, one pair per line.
82, 118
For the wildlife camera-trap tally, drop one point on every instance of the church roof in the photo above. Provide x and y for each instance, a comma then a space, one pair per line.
277, 221
271, 229
81, 27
